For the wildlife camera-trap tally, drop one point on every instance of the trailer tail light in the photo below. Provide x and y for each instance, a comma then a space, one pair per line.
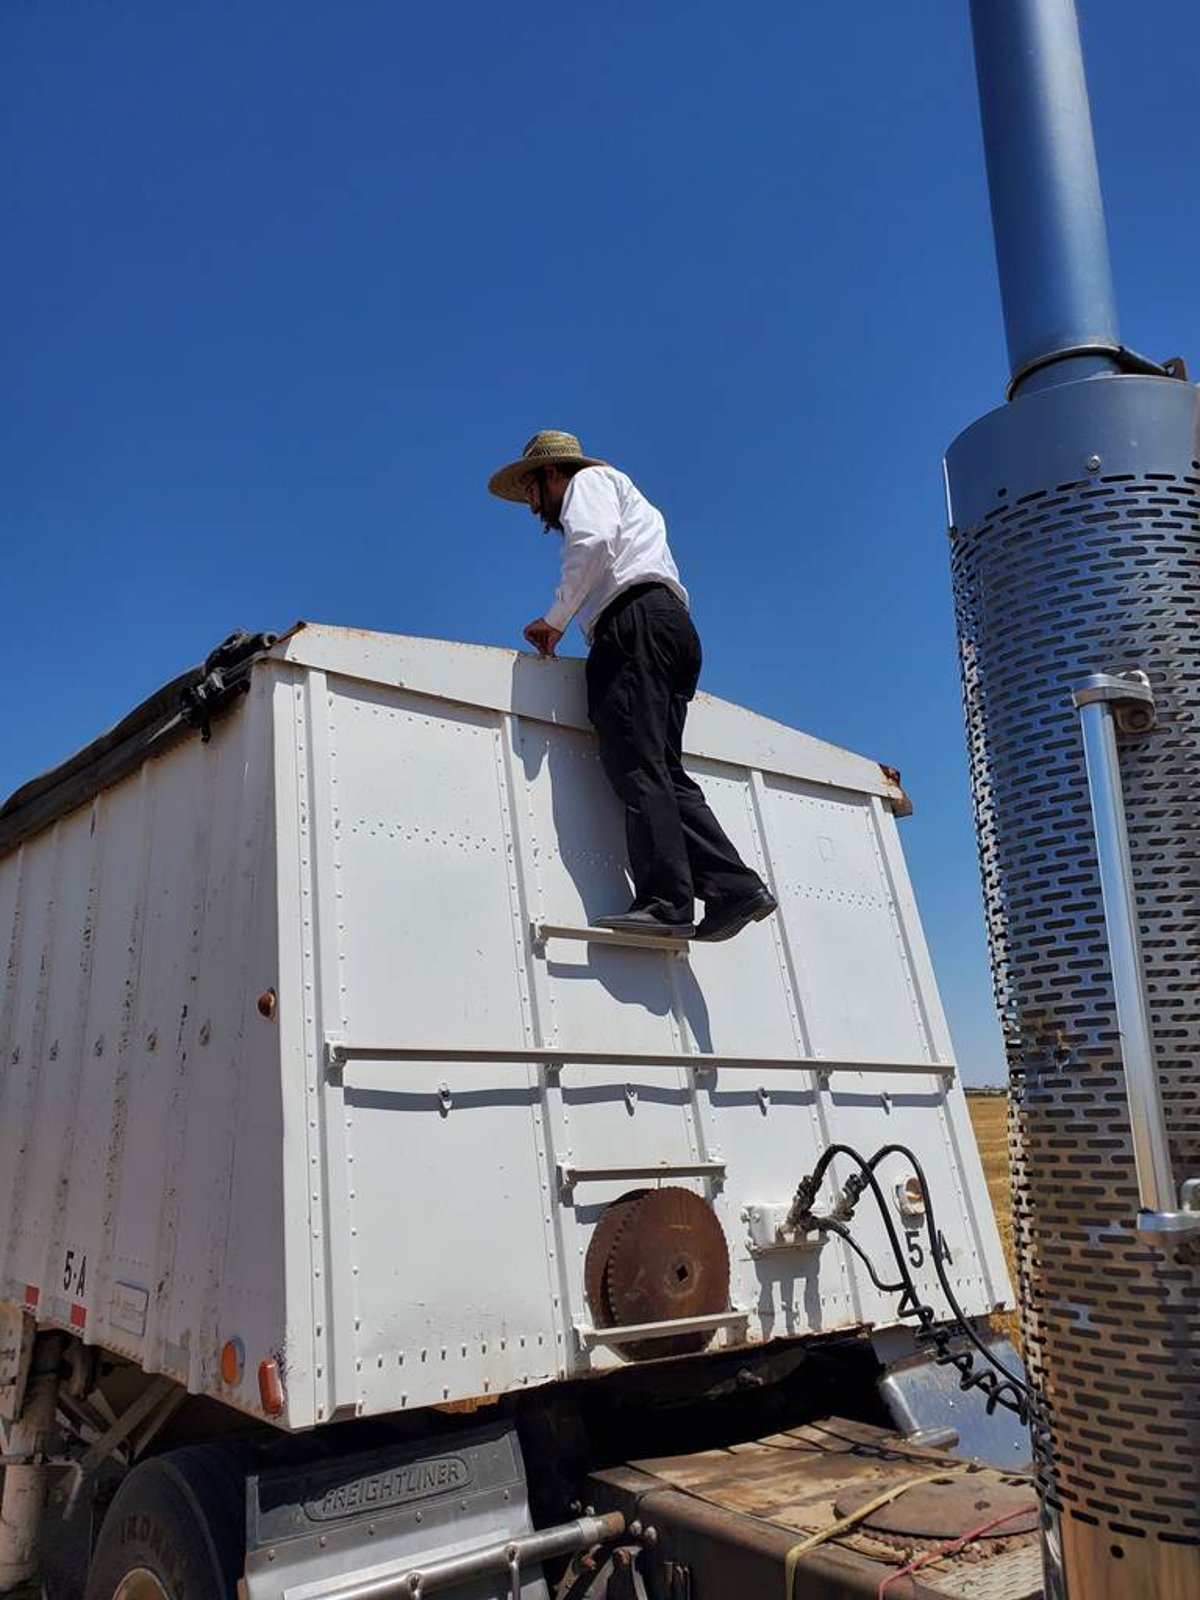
910, 1198
233, 1361
270, 1387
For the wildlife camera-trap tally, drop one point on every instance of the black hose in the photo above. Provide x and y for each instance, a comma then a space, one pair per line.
843, 1232
1008, 1390
939, 1264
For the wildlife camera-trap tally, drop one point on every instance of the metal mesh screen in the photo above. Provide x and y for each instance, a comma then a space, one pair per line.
1096, 574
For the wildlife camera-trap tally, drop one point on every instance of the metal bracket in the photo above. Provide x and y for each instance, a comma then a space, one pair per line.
155, 1403
1158, 1225
1128, 694
1125, 360
154, 1407
769, 1232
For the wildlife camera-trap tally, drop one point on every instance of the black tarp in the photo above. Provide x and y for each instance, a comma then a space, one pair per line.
181, 709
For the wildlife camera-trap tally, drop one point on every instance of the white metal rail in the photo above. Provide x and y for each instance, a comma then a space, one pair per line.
339, 1051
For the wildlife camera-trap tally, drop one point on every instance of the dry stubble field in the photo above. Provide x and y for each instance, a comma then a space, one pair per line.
989, 1117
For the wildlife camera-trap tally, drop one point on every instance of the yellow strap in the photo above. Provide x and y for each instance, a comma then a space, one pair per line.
855, 1517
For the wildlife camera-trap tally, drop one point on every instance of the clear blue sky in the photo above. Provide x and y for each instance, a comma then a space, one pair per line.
284, 280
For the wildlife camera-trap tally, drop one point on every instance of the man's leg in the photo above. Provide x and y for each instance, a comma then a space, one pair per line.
718, 872
733, 893
629, 680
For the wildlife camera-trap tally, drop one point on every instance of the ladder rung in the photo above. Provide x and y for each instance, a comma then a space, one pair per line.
631, 1332
569, 1175
542, 932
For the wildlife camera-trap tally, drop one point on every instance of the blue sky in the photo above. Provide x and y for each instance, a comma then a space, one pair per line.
283, 281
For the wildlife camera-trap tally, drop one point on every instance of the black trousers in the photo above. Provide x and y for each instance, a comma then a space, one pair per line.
642, 671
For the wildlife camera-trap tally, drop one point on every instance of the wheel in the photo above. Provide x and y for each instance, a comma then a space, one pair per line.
176, 1530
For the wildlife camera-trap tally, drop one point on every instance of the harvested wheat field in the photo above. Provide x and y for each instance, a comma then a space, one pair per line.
989, 1118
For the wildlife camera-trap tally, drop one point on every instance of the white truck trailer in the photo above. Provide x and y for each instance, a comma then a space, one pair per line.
365, 1211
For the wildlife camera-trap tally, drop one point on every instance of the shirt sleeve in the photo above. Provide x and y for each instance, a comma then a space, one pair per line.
591, 518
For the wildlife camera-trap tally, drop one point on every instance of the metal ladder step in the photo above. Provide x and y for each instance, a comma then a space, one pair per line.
569, 1175
632, 1332
541, 933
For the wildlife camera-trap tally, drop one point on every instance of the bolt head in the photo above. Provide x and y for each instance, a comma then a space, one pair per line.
1092, 463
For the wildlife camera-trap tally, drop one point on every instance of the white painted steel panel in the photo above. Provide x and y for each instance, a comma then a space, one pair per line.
136, 1070
371, 836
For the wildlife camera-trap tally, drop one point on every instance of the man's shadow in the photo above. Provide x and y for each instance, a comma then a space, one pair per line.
582, 871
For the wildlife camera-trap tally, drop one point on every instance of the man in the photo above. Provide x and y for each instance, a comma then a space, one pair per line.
620, 583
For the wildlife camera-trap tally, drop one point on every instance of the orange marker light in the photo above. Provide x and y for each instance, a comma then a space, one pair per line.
233, 1361
270, 1388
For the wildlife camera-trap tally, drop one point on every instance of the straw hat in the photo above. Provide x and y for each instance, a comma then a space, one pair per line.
545, 449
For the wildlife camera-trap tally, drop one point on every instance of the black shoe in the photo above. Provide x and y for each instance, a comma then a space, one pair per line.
637, 921
730, 916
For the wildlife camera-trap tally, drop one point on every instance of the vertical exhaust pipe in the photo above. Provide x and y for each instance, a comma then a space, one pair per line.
1060, 312
1074, 517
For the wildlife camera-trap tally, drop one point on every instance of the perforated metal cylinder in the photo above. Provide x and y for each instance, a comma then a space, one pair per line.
1075, 538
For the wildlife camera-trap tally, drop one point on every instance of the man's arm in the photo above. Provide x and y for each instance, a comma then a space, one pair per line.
591, 519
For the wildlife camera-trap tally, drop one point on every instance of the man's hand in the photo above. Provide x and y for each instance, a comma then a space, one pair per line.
542, 636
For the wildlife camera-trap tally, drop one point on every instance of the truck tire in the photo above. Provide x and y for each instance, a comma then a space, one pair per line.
176, 1530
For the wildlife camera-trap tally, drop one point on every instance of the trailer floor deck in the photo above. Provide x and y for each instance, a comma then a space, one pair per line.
740, 1517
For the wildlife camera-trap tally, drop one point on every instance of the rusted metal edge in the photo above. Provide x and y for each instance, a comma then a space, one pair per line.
897, 799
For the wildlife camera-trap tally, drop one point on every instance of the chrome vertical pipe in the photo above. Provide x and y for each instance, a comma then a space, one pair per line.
1097, 699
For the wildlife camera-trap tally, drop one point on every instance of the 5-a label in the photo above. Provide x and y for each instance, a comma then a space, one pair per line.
74, 1274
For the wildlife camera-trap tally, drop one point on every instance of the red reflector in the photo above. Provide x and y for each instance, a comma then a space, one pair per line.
32, 1296
270, 1389
78, 1315
233, 1361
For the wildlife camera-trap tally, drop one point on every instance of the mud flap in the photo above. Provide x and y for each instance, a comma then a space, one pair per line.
320, 1526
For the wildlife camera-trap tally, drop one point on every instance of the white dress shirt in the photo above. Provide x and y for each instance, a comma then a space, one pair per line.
612, 538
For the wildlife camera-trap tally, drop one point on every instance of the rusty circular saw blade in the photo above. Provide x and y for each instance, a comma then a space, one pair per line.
946, 1509
668, 1260
595, 1265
